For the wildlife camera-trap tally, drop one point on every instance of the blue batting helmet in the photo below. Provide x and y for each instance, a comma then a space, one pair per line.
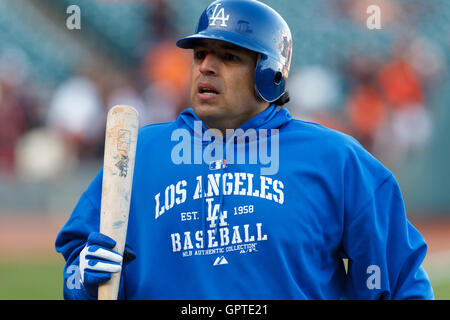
257, 27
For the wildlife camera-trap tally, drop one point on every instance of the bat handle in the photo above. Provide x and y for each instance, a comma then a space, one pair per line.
109, 290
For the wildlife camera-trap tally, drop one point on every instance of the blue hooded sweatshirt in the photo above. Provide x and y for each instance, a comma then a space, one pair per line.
271, 217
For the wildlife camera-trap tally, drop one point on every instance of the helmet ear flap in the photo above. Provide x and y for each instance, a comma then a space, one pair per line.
278, 77
269, 80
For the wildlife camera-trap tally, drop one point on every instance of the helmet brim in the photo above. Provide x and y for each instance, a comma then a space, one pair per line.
221, 35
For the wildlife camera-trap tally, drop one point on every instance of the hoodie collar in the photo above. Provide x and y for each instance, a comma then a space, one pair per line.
271, 118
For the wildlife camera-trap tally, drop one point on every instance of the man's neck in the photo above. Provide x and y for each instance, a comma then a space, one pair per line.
233, 123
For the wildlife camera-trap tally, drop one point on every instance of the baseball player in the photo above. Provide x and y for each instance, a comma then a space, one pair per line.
235, 199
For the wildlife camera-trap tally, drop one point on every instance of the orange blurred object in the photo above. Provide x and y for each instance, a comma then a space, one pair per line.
167, 63
401, 84
366, 110
330, 121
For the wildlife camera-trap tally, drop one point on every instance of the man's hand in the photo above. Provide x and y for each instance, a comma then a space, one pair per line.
98, 261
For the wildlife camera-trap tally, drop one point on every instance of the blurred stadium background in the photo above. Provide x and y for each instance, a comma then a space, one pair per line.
389, 88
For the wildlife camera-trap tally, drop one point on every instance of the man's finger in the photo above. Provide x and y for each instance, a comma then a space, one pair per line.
98, 252
95, 277
104, 266
96, 238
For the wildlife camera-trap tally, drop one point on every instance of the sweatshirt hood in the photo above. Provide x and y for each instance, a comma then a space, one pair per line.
273, 117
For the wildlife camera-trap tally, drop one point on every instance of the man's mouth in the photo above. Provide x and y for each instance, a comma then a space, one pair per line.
207, 89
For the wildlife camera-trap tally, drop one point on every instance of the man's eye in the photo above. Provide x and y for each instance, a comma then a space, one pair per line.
231, 57
199, 55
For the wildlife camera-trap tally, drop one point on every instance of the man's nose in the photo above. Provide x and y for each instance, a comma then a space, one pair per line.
209, 65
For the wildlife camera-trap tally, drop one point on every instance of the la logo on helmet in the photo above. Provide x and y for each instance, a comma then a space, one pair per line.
219, 16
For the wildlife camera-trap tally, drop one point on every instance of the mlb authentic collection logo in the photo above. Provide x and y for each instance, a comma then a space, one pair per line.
219, 15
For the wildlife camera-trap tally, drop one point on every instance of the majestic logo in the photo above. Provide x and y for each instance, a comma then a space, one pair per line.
220, 261
219, 15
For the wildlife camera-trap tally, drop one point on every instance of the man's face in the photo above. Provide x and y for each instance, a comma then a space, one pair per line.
222, 84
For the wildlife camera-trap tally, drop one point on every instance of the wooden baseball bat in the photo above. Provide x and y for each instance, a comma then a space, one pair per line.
122, 126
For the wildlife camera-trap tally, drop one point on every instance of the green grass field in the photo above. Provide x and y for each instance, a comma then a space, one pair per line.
31, 280
442, 291
42, 279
